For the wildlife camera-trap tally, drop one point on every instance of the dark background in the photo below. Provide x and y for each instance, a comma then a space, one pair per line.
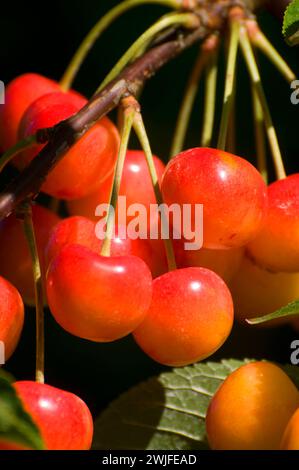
42, 39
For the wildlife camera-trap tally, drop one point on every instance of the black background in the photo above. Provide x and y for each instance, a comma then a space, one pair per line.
42, 39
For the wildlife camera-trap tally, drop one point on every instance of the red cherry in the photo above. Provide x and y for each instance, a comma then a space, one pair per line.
11, 316
87, 163
96, 297
136, 185
225, 263
19, 94
190, 317
231, 190
276, 247
15, 259
63, 418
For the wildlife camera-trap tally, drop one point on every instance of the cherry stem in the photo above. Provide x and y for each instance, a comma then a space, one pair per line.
94, 34
257, 84
26, 213
188, 20
259, 135
229, 83
145, 144
128, 117
210, 100
260, 41
16, 149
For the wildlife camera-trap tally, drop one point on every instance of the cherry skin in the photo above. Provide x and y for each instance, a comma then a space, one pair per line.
225, 263
82, 231
258, 292
96, 297
251, 408
290, 440
19, 94
11, 316
87, 163
190, 317
15, 259
276, 247
63, 419
232, 192
136, 185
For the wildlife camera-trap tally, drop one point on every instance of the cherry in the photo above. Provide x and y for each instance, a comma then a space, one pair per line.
257, 292
190, 317
15, 259
63, 418
136, 185
96, 297
11, 316
87, 163
225, 263
82, 231
231, 190
19, 94
251, 408
290, 439
277, 246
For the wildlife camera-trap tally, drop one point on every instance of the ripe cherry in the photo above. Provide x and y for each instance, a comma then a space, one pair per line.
277, 246
232, 192
63, 419
257, 292
190, 317
225, 263
96, 297
136, 185
19, 94
11, 316
15, 259
251, 408
87, 163
290, 440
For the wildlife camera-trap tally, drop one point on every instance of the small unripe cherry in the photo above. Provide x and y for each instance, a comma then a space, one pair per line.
11, 316
64, 420
276, 247
290, 440
15, 258
231, 190
190, 317
251, 408
96, 297
87, 163
19, 94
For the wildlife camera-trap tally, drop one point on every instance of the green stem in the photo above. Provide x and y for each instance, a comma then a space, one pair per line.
260, 41
184, 19
259, 135
187, 104
144, 141
38, 287
104, 22
231, 130
16, 149
257, 84
110, 219
210, 101
229, 83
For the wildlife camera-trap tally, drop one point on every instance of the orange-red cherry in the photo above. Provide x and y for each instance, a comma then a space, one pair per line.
96, 297
87, 163
190, 317
64, 420
11, 316
231, 190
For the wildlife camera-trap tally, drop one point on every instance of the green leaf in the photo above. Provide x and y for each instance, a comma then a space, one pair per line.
287, 311
16, 426
291, 23
166, 412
